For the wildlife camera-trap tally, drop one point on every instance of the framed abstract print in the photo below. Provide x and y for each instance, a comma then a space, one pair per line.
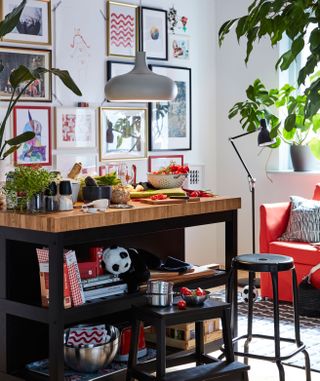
75, 127
122, 29
12, 58
34, 26
179, 48
154, 33
170, 122
37, 119
123, 133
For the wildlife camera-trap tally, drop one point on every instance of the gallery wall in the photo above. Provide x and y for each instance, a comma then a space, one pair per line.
75, 20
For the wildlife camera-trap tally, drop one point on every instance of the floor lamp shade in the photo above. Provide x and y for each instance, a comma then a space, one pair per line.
141, 85
264, 139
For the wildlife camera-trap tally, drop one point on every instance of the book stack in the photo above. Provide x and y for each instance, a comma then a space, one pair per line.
73, 292
103, 286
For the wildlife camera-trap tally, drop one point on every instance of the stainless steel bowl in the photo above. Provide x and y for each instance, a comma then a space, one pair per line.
90, 359
194, 300
159, 287
160, 300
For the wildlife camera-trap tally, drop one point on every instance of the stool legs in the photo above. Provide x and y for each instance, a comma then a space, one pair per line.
199, 335
161, 348
250, 316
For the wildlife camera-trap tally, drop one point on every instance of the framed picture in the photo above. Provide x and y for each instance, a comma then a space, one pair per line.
122, 29
89, 160
12, 58
115, 68
170, 122
75, 127
157, 162
36, 119
154, 32
123, 132
34, 26
179, 48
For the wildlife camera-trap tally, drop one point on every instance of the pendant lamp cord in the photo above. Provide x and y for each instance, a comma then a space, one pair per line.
140, 26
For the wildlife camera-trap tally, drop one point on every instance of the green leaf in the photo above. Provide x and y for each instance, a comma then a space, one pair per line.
22, 138
21, 75
316, 122
63, 75
290, 122
11, 19
11, 150
315, 147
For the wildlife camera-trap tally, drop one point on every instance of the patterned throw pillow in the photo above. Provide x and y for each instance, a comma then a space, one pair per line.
304, 221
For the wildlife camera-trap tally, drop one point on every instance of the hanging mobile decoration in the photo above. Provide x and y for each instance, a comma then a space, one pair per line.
172, 19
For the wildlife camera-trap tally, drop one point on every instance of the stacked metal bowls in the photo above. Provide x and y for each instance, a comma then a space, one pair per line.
159, 293
91, 358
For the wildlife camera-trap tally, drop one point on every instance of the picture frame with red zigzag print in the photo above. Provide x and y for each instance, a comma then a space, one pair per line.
122, 29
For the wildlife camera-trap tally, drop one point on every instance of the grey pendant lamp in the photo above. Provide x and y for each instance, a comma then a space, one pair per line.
140, 84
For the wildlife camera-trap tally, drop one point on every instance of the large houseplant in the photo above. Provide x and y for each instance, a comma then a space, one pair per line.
293, 127
293, 19
20, 79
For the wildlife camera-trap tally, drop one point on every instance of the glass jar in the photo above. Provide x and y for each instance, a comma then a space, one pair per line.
51, 198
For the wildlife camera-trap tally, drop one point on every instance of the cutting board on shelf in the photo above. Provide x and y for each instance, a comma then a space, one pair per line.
168, 201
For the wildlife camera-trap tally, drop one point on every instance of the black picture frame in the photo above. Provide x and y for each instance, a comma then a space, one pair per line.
111, 63
143, 44
179, 141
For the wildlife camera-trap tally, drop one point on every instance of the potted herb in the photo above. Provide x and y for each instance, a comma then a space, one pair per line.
297, 130
20, 80
28, 184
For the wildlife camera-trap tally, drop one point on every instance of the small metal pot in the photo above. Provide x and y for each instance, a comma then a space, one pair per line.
159, 287
160, 300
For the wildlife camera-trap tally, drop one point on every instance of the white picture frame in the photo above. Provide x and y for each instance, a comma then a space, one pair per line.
75, 127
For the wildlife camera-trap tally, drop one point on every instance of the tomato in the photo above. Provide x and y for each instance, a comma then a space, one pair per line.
160, 196
200, 292
182, 305
185, 291
195, 194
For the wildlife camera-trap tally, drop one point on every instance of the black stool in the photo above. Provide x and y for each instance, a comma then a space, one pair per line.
272, 264
207, 367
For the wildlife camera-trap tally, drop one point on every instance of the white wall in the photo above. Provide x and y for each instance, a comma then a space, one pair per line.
233, 77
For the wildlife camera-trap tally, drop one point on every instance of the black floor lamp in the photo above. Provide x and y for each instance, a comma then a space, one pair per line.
264, 140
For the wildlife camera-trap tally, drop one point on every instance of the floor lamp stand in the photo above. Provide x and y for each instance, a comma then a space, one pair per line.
252, 186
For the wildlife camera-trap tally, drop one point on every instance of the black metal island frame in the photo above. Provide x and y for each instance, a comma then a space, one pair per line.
29, 332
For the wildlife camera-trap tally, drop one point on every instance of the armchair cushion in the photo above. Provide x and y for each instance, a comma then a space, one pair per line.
304, 221
301, 252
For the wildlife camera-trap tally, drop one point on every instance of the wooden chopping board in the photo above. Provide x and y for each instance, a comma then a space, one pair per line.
168, 201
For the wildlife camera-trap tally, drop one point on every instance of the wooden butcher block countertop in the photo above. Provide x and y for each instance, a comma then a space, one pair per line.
77, 220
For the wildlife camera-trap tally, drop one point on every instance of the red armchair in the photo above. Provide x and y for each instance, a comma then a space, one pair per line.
273, 222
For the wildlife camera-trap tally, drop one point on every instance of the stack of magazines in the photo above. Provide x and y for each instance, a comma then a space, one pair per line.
102, 286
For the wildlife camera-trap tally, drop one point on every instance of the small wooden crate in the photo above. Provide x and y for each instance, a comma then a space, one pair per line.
182, 336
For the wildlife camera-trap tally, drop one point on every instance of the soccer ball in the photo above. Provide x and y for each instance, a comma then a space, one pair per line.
117, 260
245, 294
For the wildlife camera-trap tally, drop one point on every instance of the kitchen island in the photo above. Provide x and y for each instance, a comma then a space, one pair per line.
29, 332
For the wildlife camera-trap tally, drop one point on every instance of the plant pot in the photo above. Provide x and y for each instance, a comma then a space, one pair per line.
302, 158
93, 193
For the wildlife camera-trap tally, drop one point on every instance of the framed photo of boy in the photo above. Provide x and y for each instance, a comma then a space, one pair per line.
123, 133
154, 33
122, 29
75, 127
170, 122
12, 58
37, 119
34, 26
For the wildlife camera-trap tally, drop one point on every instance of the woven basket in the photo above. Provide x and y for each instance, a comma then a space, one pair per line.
166, 181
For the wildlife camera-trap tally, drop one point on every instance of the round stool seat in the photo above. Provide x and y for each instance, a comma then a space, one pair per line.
262, 262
